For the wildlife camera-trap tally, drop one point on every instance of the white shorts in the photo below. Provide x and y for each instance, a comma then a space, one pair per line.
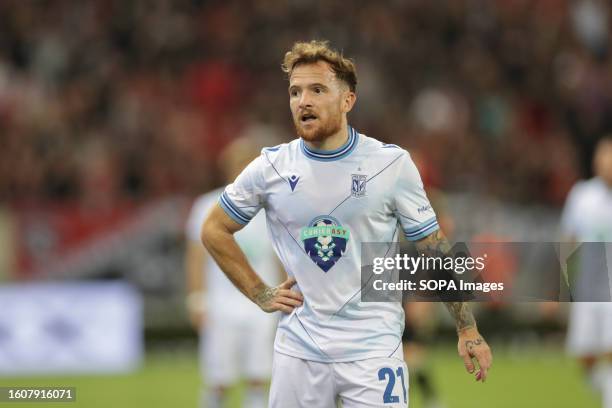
590, 329
375, 382
233, 348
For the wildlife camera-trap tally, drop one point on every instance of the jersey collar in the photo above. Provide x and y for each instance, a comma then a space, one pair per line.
331, 155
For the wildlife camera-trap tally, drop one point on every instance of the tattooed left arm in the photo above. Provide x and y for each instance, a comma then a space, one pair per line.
471, 344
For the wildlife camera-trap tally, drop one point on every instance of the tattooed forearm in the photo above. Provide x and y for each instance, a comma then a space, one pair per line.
264, 294
435, 244
464, 318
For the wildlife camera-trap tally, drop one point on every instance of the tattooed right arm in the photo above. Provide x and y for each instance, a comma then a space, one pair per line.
217, 236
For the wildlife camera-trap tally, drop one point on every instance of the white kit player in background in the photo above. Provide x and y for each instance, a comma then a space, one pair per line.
236, 338
587, 220
323, 195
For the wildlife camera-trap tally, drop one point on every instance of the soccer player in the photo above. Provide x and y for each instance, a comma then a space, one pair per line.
236, 338
587, 219
329, 344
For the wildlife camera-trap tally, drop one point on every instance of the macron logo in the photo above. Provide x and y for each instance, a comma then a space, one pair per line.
293, 180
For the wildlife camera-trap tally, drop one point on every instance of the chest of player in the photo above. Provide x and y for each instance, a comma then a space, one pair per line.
344, 192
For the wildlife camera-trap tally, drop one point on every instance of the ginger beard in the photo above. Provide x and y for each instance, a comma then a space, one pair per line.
319, 129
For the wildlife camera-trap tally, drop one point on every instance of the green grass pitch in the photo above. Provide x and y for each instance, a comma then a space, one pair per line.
533, 378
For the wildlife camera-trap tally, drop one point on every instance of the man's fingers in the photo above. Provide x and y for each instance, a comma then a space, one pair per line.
482, 375
484, 359
282, 308
474, 350
484, 362
286, 299
289, 301
291, 294
287, 284
469, 364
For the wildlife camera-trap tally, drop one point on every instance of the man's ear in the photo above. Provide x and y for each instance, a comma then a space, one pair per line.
348, 101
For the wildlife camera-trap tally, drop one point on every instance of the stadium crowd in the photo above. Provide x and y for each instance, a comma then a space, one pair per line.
108, 100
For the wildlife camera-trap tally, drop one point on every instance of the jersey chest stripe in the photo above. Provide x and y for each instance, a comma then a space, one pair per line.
368, 282
311, 338
279, 175
371, 178
385, 168
398, 344
341, 202
292, 237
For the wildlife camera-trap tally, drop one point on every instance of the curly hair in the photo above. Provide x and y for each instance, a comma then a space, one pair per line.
314, 51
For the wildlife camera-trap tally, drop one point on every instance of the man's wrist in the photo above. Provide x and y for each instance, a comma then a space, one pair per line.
471, 329
260, 293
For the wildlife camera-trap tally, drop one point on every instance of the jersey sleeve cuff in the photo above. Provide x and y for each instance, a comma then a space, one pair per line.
232, 210
422, 230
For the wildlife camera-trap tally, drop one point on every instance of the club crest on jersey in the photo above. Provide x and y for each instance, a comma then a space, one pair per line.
325, 241
358, 185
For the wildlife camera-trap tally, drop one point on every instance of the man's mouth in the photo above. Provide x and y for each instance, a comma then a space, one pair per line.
308, 117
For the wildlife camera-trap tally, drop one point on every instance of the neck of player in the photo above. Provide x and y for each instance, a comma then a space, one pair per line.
333, 142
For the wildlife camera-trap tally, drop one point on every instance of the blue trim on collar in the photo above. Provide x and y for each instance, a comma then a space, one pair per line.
331, 155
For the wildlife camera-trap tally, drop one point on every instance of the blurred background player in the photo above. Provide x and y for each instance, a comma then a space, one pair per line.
236, 338
587, 220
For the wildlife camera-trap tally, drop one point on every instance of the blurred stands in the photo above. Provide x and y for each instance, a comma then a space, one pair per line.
107, 100
111, 108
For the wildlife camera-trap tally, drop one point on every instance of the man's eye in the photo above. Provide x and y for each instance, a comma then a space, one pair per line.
293, 93
318, 90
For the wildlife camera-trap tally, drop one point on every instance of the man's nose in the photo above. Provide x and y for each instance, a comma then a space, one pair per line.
305, 100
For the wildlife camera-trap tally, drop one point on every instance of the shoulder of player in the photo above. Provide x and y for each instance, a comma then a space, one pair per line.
585, 187
373, 146
278, 155
273, 152
582, 193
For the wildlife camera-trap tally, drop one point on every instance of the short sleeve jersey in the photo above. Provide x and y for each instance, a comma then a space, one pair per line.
320, 207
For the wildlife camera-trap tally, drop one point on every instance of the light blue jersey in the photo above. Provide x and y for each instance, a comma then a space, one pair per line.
587, 218
320, 206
